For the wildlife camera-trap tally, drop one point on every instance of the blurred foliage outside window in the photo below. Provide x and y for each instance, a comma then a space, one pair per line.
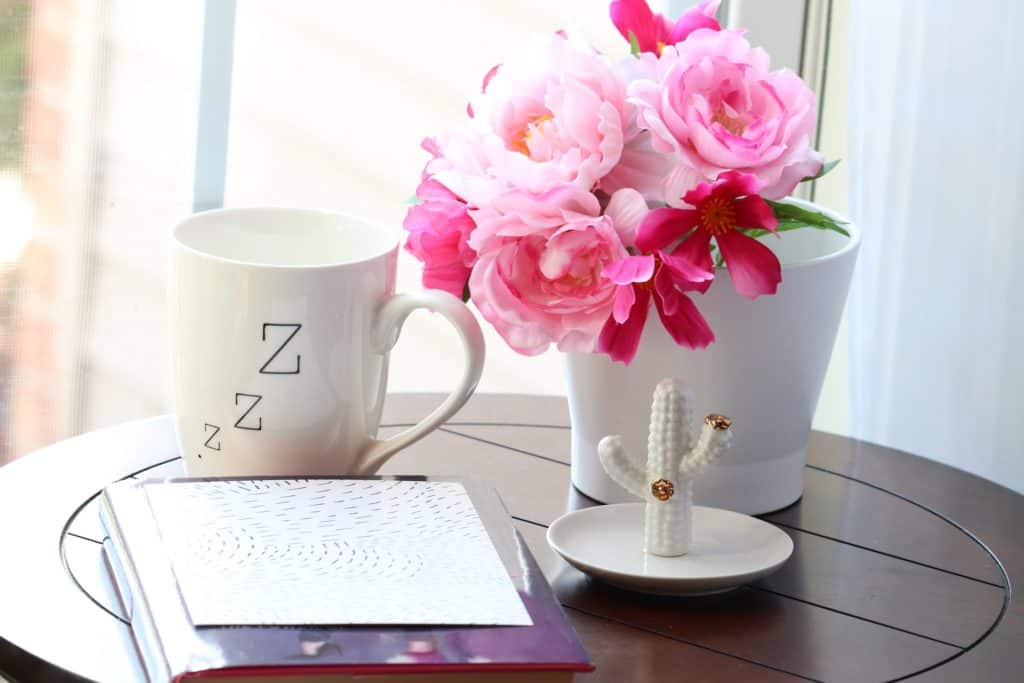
13, 34
14, 16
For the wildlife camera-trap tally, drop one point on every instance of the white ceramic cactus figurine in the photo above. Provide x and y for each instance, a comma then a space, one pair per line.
673, 461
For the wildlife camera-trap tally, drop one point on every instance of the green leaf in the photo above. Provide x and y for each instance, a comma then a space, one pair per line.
782, 226
413, 200
634, 44
825, 168
791, 217
719, 260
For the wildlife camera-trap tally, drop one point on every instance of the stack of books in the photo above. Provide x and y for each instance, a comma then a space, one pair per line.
372, 579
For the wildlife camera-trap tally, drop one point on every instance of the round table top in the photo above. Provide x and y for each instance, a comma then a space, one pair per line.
901, 566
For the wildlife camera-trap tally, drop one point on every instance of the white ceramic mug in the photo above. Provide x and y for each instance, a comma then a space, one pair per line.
281, 321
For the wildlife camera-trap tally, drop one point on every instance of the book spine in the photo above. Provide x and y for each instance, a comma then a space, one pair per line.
133, 601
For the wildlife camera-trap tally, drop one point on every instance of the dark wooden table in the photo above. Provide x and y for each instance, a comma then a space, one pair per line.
901, 567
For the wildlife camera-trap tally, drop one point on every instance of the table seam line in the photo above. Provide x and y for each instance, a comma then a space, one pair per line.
84, 538
1007, 587
856, 616
501, 445
882, 552
67, 567
66, 530
691, 643
479, 424
813, 604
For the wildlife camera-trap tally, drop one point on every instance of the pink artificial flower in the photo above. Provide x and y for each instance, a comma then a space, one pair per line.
554, 115
722, 209
640, 168
516, 214
459, 163
716, 104
483, 87
439, 228
666, 278
653, 31
538, 279
626, 208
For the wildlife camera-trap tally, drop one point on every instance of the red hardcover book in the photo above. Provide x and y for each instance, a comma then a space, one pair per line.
173, 649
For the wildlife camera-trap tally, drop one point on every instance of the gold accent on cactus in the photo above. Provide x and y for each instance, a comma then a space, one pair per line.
662, 489
718, 421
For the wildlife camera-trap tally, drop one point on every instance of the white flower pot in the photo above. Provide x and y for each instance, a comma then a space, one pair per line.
765, 371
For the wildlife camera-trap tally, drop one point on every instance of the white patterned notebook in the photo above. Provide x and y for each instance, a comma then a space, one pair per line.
332, 551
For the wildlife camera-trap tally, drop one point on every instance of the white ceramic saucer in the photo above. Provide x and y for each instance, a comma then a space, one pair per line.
729, 550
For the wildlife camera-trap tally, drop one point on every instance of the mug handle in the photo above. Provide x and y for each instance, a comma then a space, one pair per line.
387, 325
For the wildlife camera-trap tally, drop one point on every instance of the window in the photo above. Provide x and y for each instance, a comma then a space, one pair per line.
325, 106
97, 157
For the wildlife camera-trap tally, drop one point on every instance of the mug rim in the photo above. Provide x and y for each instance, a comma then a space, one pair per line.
179, 243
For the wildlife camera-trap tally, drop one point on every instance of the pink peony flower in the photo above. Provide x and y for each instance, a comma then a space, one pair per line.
666, 278
517, 213
723, 209
653, 31
627, 209
459, 164
538, 279
716, 104
483, 87
554, 115
439, 228
640, 168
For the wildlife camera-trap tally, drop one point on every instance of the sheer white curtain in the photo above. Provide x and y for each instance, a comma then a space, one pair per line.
937, 167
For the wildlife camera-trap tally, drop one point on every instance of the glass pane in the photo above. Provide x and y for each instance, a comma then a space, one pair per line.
97, 112
330, 102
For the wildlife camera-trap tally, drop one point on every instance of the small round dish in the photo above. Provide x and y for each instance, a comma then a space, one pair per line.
729, 549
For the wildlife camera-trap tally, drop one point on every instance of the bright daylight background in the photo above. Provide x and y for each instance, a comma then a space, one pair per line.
329, 103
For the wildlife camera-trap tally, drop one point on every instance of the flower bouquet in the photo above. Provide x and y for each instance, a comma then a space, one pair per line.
582, 187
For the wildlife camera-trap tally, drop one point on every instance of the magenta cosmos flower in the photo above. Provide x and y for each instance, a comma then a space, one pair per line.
722, 209
666, 278
654, 31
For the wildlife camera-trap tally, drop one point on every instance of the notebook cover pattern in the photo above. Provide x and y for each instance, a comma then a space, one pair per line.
332, 551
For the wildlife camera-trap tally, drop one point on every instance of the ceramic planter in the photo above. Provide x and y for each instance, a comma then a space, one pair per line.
765, 371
